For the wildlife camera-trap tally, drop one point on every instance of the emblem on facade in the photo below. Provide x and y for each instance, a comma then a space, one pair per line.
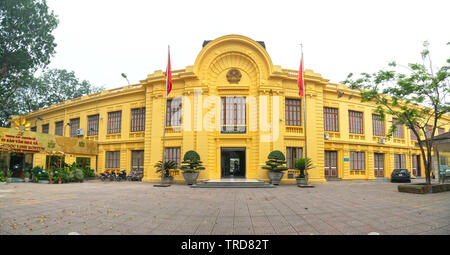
81, 144
234, 76
21, 124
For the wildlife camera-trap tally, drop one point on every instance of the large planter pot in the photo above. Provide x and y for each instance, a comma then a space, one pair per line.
167, 180
27, 179
302, 181
190, 178
275, 177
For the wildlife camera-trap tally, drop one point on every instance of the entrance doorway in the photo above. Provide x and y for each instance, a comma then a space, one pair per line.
379, 164
331, 164
233, 162
16, 164
416, 165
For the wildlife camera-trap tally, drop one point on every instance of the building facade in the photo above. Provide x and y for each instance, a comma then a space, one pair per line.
234, 106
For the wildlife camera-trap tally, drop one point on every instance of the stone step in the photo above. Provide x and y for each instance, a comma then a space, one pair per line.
234, 184
333, 179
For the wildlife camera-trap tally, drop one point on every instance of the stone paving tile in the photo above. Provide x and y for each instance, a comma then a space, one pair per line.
356, 207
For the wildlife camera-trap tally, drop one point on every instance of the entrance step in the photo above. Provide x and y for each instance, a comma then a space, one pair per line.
382, 179
233, 183
333, 179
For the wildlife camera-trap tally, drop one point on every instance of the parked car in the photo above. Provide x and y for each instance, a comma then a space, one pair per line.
401, 175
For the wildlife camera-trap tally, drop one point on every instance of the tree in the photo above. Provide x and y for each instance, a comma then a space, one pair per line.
276, 161
26, 44
51, 87
417, 99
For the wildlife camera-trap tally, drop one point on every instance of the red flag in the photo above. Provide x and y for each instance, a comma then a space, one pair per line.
300, 78
169, 76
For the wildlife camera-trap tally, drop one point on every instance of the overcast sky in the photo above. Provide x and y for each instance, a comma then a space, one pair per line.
100, 39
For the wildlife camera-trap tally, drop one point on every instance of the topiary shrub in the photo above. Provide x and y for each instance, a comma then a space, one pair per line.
276, 161
78, 175
192, 163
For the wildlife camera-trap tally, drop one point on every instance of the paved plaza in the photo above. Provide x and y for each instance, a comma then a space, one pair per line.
335, 208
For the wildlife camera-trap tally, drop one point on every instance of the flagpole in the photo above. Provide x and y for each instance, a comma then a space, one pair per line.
165, 109
304, 103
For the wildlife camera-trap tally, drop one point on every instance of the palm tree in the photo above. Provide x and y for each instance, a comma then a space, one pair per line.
303, 164
170, 164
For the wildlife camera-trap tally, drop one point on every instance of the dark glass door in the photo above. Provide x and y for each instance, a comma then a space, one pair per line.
233, 162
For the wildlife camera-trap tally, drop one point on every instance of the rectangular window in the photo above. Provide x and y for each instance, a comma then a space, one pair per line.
357, 160
114, 122
355, 120
92, 125
137, 119
173, 113
34, 129
399, 161
377, 125
45, 128
112, 159
413, 136
59, 127
331, 119
292, 111
398, 133
74, 126
233, 115
293, 153
172, 153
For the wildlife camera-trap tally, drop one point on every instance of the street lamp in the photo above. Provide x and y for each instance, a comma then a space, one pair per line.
125, 76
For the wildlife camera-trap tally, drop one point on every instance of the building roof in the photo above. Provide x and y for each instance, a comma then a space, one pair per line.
442, 136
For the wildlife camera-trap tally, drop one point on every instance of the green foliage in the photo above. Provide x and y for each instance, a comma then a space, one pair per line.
417, 99
39, 173
2, 176
192, 162
276, 161
166, 167
303, 164
9, 173
87, 172
51, 87
26, 44
78, 174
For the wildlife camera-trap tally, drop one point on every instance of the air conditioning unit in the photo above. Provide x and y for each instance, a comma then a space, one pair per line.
327, 136
381, 141
80, 131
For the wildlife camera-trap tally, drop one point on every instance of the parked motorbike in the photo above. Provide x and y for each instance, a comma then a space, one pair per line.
121, 176
135, 175
105, 175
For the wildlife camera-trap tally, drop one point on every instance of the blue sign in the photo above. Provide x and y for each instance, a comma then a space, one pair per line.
346, 159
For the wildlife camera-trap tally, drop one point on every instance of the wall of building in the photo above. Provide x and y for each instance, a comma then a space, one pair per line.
201, 87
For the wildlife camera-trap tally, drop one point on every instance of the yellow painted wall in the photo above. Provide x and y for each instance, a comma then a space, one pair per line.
261, 82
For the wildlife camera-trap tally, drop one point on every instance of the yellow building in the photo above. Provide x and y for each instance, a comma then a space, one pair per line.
234, 106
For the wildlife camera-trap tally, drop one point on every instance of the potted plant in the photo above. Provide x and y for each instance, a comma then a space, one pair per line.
27, 176
164, 169
2, 178
275, 165
192, 166
9, 176
303, 164
78, 175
